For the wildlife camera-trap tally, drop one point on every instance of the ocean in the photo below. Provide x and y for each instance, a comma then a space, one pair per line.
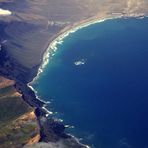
97, 81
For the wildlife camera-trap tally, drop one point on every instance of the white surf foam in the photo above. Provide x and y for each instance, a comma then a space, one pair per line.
80, 62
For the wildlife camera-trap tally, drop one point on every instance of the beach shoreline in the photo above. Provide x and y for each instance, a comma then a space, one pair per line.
58, 38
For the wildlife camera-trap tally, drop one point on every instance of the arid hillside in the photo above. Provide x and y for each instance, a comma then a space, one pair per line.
33, 24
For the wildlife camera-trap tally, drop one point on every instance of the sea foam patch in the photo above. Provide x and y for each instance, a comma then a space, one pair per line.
5, 12
80, 62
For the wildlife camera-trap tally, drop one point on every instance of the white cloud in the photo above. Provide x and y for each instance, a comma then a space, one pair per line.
5, 12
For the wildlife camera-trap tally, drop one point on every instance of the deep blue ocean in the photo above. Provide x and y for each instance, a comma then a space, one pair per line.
97, 81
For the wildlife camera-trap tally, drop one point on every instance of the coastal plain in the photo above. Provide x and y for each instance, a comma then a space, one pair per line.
26, 34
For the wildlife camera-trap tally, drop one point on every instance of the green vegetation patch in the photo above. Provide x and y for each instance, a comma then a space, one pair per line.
11, 108
12, 136
6, 91
14, 132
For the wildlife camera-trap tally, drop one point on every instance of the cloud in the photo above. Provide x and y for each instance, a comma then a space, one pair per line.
5, 12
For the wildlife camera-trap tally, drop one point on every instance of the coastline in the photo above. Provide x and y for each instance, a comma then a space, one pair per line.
58, 39
51, 48
49, 52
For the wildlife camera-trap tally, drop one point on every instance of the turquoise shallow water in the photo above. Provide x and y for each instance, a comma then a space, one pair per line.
98, 82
